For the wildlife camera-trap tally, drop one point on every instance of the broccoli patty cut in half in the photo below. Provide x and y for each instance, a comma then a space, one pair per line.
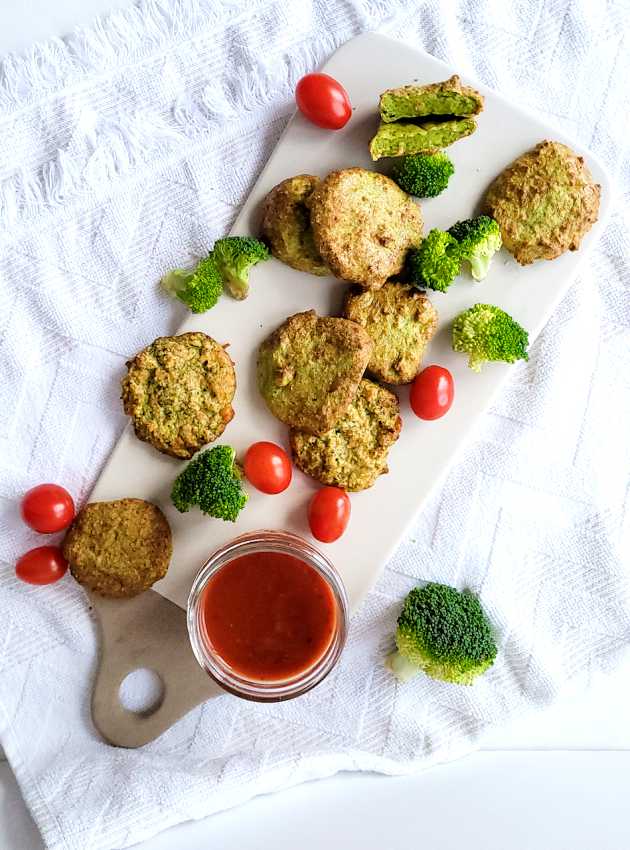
118, 548
544, 203
400, 321
309, 369
178, 392
421, 119
363, 225
286, 225
354, 453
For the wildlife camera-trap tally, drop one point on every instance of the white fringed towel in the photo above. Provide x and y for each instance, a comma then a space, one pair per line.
129, 147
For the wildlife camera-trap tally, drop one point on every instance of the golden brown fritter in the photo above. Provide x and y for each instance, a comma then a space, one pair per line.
309, 369
118, 548
545, 202
400, 321
178, 392
363, 225
353, 454
286, 225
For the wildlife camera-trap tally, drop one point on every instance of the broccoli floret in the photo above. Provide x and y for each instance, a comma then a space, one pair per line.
424, 175
435, 263
212, 481
486, 333
443, 632
235, 256
199, 288
479, 239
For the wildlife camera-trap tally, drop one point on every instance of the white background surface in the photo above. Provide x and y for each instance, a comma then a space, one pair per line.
557, 780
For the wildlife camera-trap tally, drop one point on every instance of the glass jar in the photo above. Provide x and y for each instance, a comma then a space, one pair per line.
211, 661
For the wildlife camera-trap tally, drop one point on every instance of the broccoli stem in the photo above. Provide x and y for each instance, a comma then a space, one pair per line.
401, 667
176, 281
237, 286
479, 266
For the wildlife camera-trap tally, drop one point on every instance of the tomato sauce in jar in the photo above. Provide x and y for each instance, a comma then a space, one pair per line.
269, 616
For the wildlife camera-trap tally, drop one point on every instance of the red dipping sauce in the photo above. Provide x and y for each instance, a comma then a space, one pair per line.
268, 615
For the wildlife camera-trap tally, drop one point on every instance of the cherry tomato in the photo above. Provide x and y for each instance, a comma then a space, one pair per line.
47, 508
432, 392
329, 514
268, 467
43, 565
323, 101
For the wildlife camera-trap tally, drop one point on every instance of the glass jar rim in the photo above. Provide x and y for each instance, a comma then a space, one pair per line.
267, 691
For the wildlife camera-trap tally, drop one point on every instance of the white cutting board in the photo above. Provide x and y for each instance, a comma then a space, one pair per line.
365, 66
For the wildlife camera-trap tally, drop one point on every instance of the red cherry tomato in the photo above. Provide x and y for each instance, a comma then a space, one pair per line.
329, 514
432, 392
323, 101
43, 565
268, 467
47, 508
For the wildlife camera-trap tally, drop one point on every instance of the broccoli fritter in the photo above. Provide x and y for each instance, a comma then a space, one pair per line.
449, 97
363, 225
433, 117
354, 452
309, 369
404, 139
118, 548
400, 321
178, 392
286, 225
545, 202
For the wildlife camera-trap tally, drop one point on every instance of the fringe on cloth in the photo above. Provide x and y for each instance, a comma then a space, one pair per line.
98, 149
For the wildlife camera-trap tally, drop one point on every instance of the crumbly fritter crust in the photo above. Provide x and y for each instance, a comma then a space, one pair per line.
545, 202
309, 369
353, 454
118, 548
363, 225
178, 392
286, 225
400, 321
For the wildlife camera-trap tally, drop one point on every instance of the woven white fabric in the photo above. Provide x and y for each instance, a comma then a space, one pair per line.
126, 149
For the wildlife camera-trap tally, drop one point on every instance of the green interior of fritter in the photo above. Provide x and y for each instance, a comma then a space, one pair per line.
419, 119
431, 106
299, 249
304, 244
409, 137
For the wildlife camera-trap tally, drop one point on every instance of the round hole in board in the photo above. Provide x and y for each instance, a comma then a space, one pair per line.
142, 692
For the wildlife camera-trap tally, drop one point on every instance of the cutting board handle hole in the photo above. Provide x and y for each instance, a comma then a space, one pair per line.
142, 692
